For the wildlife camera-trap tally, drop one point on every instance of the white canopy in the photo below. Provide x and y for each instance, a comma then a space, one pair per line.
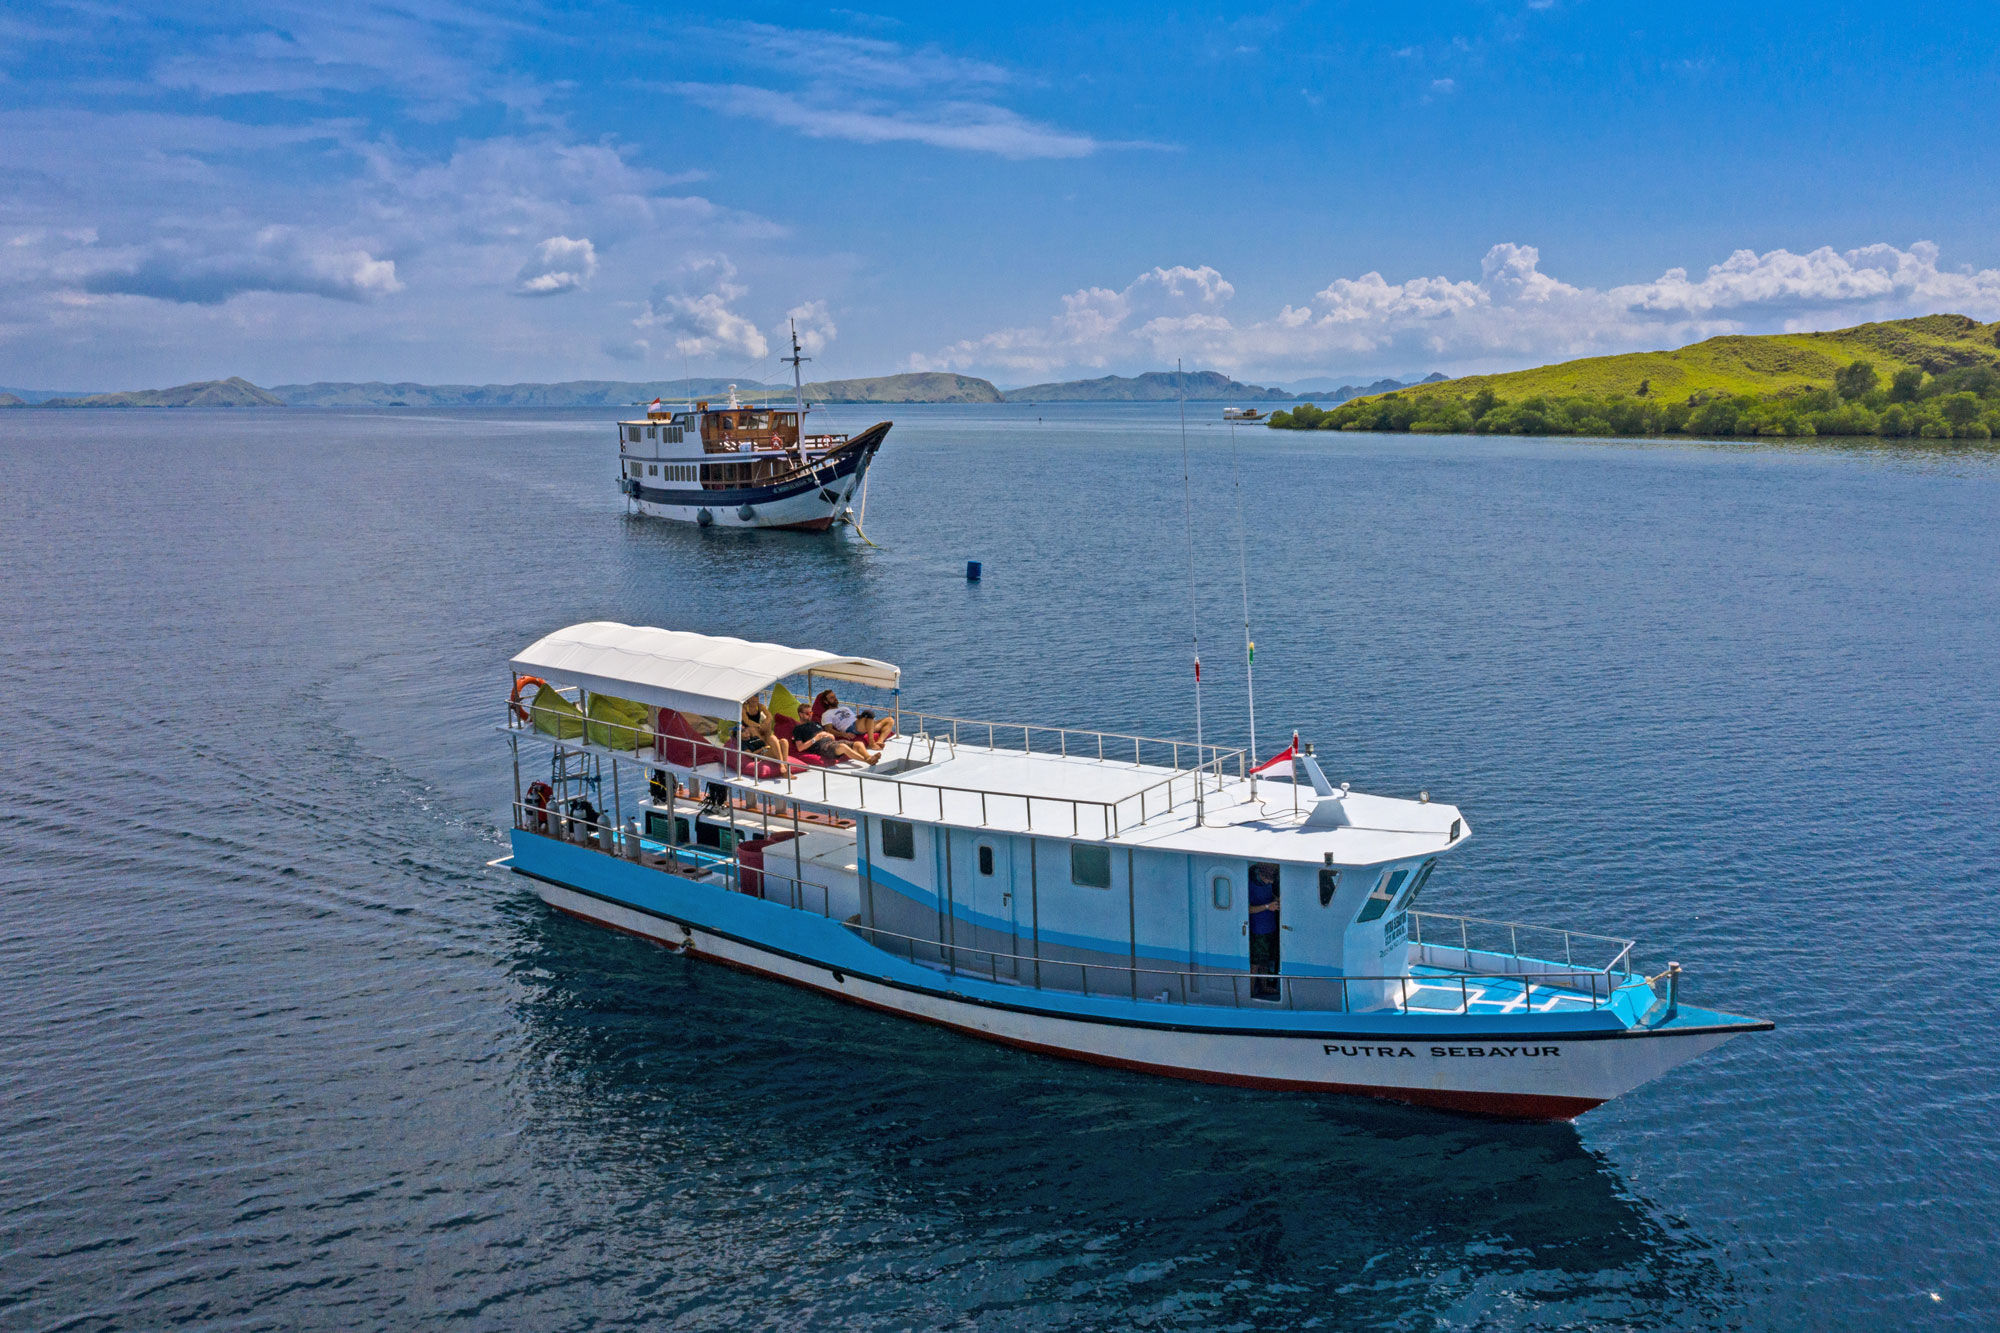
696, 673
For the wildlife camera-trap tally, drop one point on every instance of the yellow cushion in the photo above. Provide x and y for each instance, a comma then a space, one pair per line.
784, 703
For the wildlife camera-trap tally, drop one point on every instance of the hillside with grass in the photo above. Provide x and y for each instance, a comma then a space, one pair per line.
912, 387
232, 392
1936, 376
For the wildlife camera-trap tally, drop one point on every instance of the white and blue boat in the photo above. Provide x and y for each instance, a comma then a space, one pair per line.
1154, 905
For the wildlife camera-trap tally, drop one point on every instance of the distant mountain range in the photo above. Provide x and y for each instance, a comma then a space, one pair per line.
569, 393
1347, 391
1155, 386
914, 387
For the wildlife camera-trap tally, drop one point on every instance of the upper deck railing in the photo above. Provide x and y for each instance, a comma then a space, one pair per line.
1192, 771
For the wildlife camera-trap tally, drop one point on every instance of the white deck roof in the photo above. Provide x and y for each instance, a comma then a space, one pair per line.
695, 673
1057, 796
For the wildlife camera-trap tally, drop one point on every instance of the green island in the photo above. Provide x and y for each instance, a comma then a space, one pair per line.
1935, 377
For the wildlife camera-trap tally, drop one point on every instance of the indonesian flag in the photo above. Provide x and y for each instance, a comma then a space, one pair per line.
1290, 753
655, 403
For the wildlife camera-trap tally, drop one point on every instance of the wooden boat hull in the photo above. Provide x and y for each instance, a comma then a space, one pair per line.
808, 501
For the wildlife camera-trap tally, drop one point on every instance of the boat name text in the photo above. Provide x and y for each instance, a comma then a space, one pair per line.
1446, 1052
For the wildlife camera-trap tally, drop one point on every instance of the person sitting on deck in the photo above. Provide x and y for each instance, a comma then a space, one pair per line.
811, 738
760, 731
863, 728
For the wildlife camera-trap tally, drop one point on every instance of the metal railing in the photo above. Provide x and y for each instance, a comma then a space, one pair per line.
895, 794
1472, 937
1526, 983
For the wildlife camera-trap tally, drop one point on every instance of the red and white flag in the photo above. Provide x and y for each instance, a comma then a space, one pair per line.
1289, 753
653, 404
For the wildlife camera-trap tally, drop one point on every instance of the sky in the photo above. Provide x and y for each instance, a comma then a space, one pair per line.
1299, 194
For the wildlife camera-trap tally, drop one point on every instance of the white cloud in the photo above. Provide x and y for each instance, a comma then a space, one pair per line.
868, 90
1512, 314
856, 61
276, 259
969, 126
693, 309
559, 265
814, 325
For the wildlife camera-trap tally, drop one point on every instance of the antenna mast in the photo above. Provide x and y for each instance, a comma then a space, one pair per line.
1249, 645
1194, 615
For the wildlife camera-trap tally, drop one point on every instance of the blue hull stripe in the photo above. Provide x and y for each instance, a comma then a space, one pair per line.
840, 949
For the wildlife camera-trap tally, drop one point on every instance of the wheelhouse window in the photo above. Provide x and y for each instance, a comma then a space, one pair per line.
632, 434
1218, 891
1384, 894
1417, 885
1329, 884
1089, 865
985, 858
899, 839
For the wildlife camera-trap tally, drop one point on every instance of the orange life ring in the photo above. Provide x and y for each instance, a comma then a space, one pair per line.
514, 699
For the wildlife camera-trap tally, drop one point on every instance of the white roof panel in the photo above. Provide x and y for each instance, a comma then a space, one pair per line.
696, 673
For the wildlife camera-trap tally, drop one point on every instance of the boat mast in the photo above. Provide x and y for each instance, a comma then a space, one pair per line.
1194, 614
798, 389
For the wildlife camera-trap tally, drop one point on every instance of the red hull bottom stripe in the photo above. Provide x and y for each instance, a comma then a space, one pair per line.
1510, 1106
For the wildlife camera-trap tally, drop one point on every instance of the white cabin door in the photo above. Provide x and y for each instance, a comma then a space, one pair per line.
983, 890
1220, 925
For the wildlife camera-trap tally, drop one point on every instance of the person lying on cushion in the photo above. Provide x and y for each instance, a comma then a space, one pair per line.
814, 739
760, 731
864, 727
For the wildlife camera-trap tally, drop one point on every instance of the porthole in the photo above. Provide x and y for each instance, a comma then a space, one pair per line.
1218, 891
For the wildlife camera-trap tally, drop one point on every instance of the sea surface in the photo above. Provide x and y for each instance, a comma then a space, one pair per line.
278, 1051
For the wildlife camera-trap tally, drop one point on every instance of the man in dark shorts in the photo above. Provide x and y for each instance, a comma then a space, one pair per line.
1264, 930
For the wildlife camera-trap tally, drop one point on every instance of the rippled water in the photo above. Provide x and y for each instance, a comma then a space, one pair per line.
279, 1051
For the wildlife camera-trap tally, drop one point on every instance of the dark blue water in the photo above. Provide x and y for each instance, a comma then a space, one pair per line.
279, 1053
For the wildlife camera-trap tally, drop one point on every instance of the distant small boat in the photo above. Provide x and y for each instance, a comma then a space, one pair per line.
1241, 414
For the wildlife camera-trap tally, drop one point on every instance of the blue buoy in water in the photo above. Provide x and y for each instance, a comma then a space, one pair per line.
972, 571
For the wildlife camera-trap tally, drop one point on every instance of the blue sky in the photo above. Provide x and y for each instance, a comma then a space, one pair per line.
293, 191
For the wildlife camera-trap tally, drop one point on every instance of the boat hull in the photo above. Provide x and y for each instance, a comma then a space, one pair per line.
808, 504
1517, 1070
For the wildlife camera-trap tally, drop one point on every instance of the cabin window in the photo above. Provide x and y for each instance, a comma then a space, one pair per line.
652, 469
1218, 891
1384, 894
1329, 884
673, 435
899, 839
985, 859
1089, 865
632, 434
1417, 884
637, 469
652, 432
